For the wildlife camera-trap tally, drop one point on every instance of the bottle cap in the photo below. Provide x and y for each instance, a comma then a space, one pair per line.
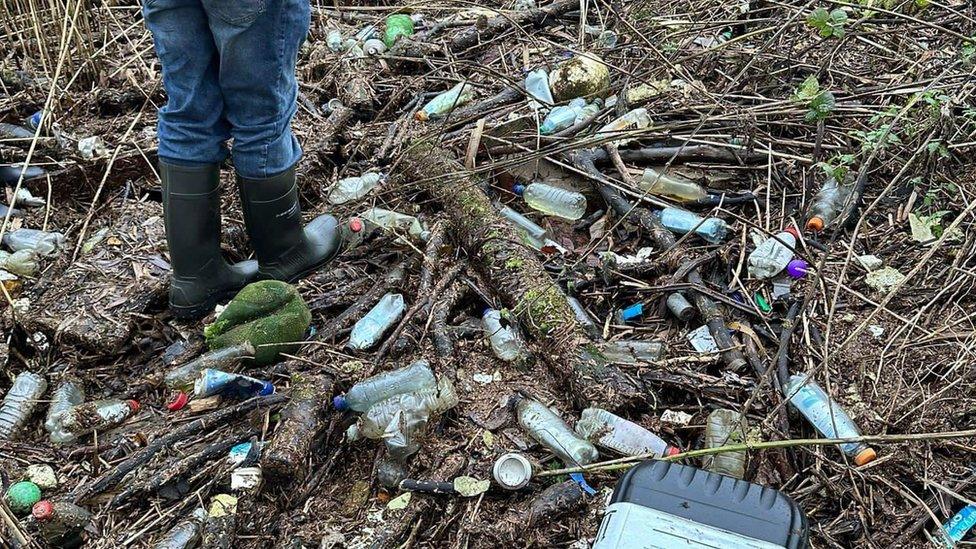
672, 451
865, 456
518, 189
797, 268
43, 510
512, 471
179, 402
133, 405
815, 224
339, 403
793, 231
421, 116
21, 496
267, 389
355, 224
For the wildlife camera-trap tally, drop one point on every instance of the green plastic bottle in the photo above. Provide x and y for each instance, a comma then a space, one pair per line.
397, 25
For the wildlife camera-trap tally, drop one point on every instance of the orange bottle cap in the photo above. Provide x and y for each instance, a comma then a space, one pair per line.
865, 456
815, 224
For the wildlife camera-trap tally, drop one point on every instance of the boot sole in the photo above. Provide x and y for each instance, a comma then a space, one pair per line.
200, 310
303, 273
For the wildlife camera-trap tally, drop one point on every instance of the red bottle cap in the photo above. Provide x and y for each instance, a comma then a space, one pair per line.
355, 224
179, 402
133, 405
43, 509
672, 451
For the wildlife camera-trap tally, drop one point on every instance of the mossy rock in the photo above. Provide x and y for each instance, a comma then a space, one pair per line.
269, 314
582, 76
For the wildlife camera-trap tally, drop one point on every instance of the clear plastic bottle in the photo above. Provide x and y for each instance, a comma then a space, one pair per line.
828, 203
773, 255
19, 403
80, 420
549, 430
679, 221
620, 435
562, 117
625, 351
589, 111
388, 220
374, 423
661, 183
537, 86
25, 199
826, 416
505, 341
526, 225
637, 119
42, 243
553, 200
583, 317
20, 263
186, 534
354, 188
368, 331
723, 428
366, 393
60, 522
215, 382
183, 377
68, 394
447, 101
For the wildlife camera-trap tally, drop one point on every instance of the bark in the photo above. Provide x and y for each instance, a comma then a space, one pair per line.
517, 277
302, 419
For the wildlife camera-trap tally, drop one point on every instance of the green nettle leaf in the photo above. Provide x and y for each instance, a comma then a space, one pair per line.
808, 90
819, 19
828, 23
821, 107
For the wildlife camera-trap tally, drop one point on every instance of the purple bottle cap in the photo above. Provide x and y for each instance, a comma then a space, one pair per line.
339, 403
797, 268
518, 189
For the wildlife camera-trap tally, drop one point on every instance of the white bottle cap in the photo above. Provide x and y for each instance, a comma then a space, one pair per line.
512, 471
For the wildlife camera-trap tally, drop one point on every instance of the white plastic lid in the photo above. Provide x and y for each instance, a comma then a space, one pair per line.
512, 471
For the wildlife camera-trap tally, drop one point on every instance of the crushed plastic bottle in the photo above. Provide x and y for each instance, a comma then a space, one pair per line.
446, 102
826, 416
80, 420
19, 403
42, 243
363, 395
537, 86
679, 221
723, 428
369, 329
620, 435
548, 429
562, 117
216, 382
553, 200
379, 219
589, 111
68, 394
20, 263
183, 377
828, 203
354, 188
61, 523
397, 25
672, 186
505, 341
637, 119
401, 420
186, 534
773, 255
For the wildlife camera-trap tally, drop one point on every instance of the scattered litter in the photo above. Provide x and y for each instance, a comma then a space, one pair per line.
676, 417
701, 339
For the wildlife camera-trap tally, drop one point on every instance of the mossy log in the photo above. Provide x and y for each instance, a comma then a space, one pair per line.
518, 278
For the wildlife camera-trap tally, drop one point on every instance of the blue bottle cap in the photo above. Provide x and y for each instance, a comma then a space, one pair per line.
578, 478
267, 389
633, 311
339, 403
518, 189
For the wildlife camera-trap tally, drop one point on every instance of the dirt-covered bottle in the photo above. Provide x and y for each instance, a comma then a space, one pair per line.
68, 394
828, 203
186, 534
620, 435
724, 428
447, 101
40, 242
826, 416
216, 382
183, 377
504, 340
86, 418
61, 523
637, 119
548, 429
19, 403
661, 183
415, 377
552, 200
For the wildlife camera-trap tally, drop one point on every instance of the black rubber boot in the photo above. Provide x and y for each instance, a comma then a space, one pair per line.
285, 250
201, 275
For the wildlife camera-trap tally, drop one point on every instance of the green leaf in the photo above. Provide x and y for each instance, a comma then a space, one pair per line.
808, 90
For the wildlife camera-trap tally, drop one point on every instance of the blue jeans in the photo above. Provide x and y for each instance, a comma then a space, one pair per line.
229, 71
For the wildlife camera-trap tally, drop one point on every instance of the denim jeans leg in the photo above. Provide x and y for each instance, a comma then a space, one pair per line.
191, 128
258, 42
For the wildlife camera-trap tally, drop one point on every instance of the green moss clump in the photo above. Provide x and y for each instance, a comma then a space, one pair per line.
269, 314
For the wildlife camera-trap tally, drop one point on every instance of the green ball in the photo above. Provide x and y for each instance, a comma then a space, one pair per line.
22, 496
